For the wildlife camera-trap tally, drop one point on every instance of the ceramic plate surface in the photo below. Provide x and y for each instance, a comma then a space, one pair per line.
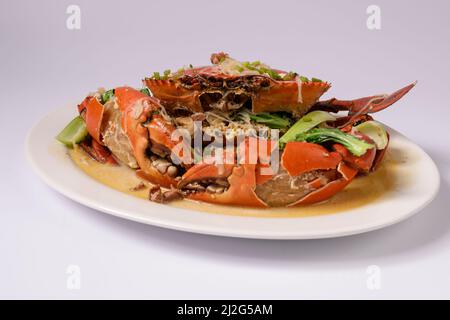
50, 160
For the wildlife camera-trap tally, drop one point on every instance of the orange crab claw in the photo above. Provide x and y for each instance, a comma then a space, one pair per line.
94, 118
347, 123
363, 105
204, 171
160, 132
285, 96
362, 163
330, 189
241, 181
326, 171
137, 108
301, 157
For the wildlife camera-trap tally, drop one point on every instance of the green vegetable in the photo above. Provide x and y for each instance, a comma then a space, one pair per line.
156, 76
239, 68
320, 135
316, 80
271, 120
74, 133
249, 66
166, 74
273, 74
307, 122
106, 96
178, 74
375, 131
289, 76
304, 79
145, 91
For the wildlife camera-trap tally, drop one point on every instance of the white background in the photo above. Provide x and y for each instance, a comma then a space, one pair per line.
43, 66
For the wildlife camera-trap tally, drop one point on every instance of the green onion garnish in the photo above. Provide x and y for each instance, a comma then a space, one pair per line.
304, 79
166, 74
156, 76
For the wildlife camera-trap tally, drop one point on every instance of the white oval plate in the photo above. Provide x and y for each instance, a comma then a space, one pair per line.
53, 165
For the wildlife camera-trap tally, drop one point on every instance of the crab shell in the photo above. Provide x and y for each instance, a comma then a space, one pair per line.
297, 158
140, 124
276, 95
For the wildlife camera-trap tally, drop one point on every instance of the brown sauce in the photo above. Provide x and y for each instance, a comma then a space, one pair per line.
363, 190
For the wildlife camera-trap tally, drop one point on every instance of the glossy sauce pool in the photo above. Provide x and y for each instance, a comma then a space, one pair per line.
362, 190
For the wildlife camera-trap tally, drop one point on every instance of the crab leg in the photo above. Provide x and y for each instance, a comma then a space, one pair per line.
241, 180
314, 157
363, 105
330, 189
94, 118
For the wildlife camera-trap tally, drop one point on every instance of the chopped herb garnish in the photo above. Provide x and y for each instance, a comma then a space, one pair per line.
179, 73
315, 79
262, 70
249, 66
191, 66
289, 76
156, 76
274, 75
166, 74
304, 79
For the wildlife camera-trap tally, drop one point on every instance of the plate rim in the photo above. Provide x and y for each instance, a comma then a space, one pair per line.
195, 228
